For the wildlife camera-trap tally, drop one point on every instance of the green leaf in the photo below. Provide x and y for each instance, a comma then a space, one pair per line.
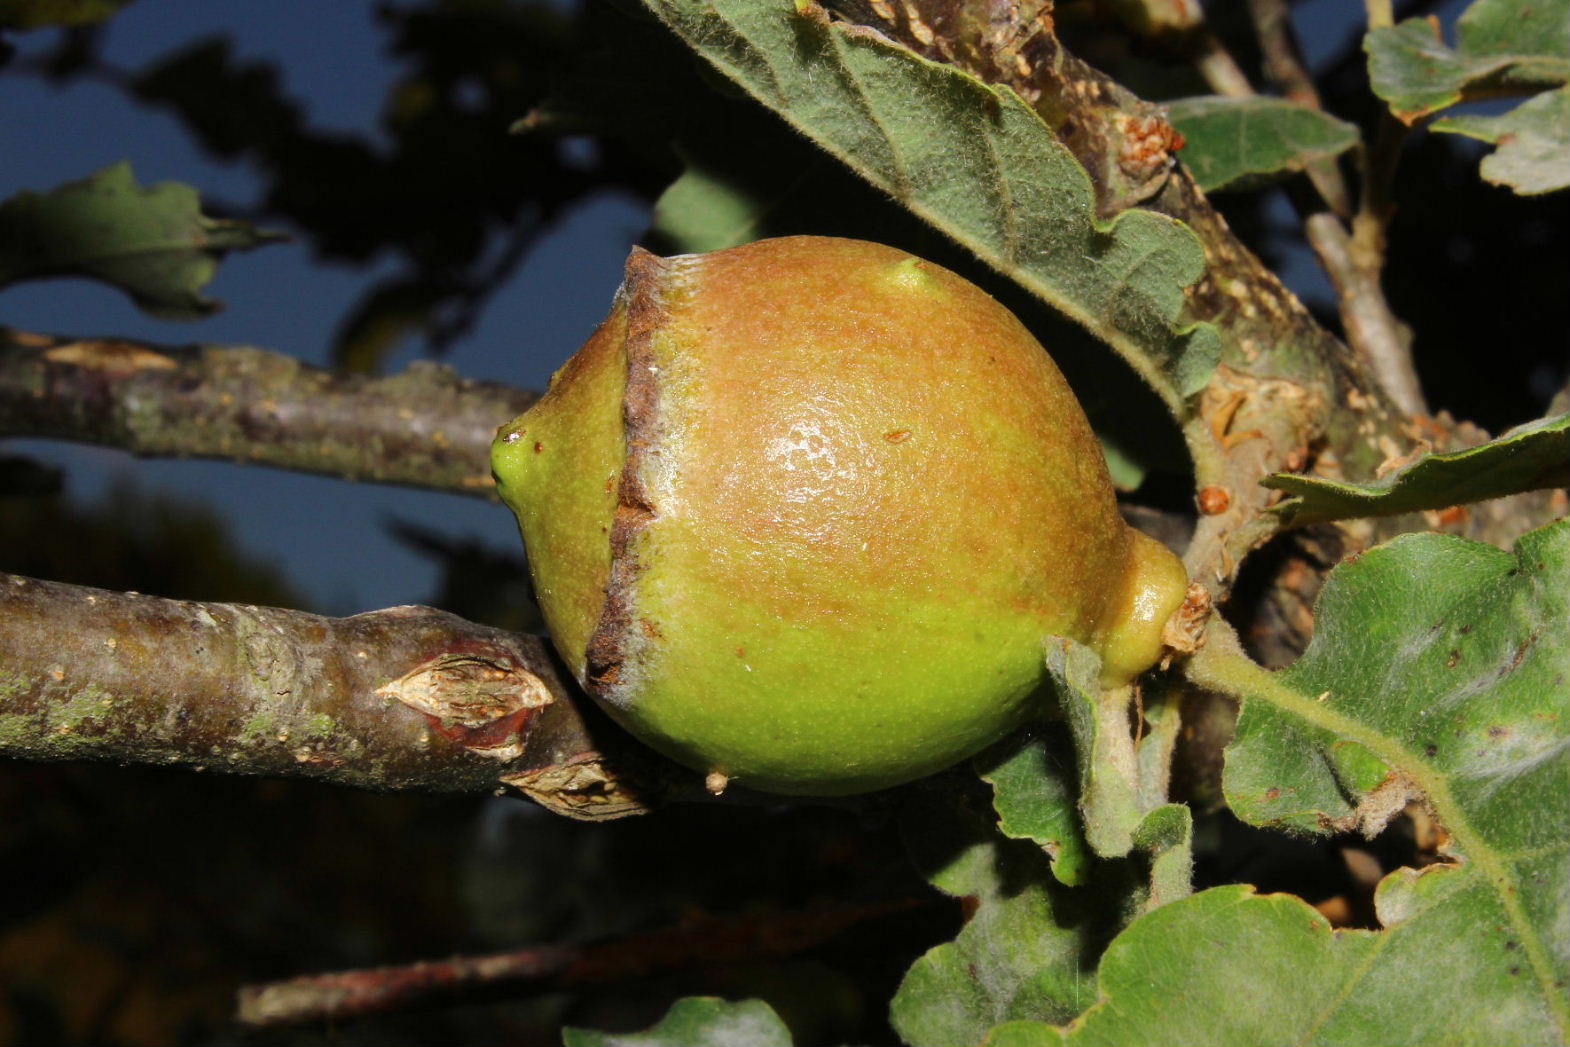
1125, 468
154, 243
1527, 458
1534, 143
1029, 947
34, 14
697, 1021
976, 162
705, 211
1121, 784
1231, 143
1227, 966
1032, 781
1502, 46
1023, 1033
1438, 672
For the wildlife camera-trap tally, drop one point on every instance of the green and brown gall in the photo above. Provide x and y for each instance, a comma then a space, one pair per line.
802, 513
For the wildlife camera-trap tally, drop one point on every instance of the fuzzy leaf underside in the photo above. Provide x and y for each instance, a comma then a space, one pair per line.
1109, 797
1240, 142
1085, 789
1528, 457
153, 243
1166, 836
974, 161
697, 1021
1028, 951
1502, 46
1439, 671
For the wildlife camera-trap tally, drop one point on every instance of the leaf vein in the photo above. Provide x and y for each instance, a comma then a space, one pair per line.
1222, 665
903, 189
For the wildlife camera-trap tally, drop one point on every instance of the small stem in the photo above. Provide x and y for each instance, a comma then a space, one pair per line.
1372, 327
1354, 266
1286, 69
1379, 174
1355, 263
1220, 70
1279, 49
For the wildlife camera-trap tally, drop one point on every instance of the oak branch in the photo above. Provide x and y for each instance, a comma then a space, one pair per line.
403, 698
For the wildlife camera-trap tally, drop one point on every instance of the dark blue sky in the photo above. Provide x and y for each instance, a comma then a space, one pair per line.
329, 534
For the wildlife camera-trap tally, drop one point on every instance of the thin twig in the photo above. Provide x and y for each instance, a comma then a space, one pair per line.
705, 942
425, 427
1353, 263
1381, 13
1382, 339
1279, 49
1285, 68
1220, 70
1380, 160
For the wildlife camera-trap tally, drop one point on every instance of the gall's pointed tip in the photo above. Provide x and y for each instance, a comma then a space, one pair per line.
642, 260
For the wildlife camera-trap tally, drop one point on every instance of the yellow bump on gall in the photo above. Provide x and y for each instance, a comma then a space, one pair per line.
910, 274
